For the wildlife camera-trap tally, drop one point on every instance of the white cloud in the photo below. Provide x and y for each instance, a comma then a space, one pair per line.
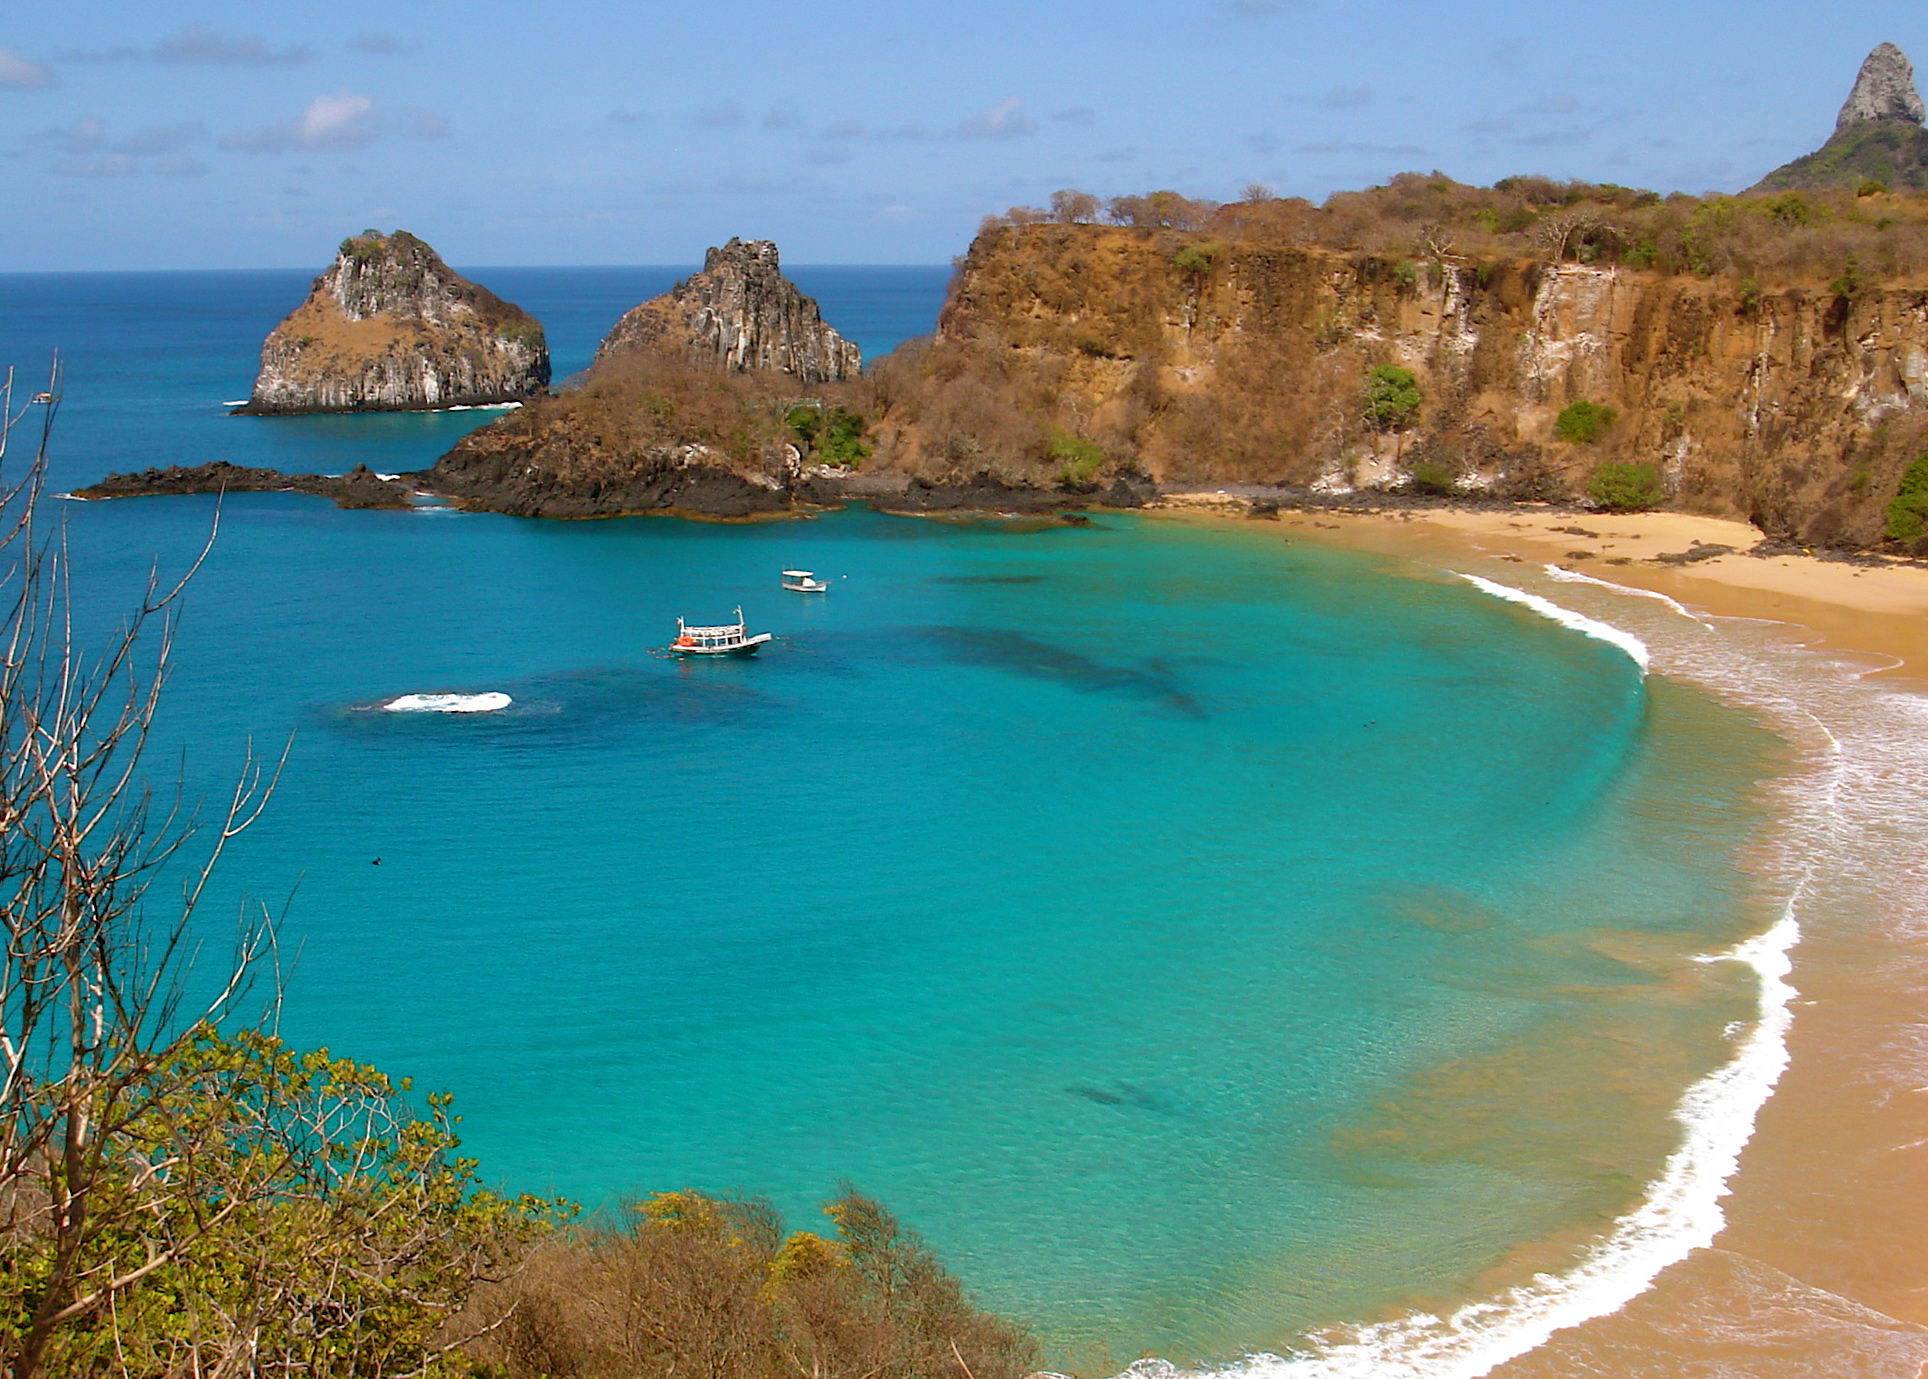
196, 45
333, 123
18, 74
1005, 120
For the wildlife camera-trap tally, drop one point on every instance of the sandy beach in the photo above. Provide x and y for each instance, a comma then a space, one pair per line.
1819, 1269
1876, 610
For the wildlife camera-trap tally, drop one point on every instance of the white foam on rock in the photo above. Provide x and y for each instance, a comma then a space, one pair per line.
489, 702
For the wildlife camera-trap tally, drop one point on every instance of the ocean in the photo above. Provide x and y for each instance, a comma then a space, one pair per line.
1214, 943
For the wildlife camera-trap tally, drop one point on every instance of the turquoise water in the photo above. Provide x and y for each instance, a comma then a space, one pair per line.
1199, 936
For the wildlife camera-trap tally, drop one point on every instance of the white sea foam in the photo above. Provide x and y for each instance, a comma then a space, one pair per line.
1856, 796
481, 407
238, 402
387, 478
449, 703
1566, 576
1566, 617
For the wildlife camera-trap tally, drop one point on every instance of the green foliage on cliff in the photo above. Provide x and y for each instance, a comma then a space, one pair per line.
1888, 153
1908, 509
1624, 487
1196, 259
829, 435
1392, 397
1583, 422
1078, 460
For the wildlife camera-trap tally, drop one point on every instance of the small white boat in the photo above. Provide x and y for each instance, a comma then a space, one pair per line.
803, 582
731, 639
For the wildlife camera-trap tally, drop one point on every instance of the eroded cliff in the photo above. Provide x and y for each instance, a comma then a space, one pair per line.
1075, 353
390, 327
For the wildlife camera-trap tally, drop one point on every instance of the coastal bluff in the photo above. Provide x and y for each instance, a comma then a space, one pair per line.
389, 327
742, 313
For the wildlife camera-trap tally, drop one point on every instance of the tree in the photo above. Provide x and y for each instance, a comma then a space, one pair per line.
1073, 207
1392, 397
173, 1201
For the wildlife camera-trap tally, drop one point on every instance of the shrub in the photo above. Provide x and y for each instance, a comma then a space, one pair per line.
1908, 509
1392, 397
1619, 487
1583, 422
829, 435
1077, 458
1435, 477
1196, 259
1849, 281
1871, 186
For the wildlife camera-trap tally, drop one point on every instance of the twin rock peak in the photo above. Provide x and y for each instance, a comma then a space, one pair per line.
390, 327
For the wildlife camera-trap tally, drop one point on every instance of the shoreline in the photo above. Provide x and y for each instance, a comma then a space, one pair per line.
1803, 1259
1863, 608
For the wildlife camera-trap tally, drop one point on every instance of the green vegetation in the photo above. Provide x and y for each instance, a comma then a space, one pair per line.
1078, 460
829, 435
1392, 397
1908, 509
1583, 422
1196, 259
525, 331
1848, 282
1435, 477
727, 1293
1624, 487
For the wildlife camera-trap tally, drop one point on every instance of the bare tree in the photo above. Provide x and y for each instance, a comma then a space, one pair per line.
95, 1000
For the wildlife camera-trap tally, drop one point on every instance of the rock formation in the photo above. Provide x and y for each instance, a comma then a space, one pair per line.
360, 487
741, 312
1878, 136
391, 328
1884, 90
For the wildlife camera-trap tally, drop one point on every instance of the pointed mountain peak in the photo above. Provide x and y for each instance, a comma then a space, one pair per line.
1885, 90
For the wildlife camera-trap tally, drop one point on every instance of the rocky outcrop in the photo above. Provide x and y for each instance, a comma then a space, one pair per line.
360, 487
1884, 90
391, 328
1878, 136
1091, 352
742, 313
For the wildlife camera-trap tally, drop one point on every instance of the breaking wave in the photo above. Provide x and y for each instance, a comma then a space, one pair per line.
489, 702
1566, 617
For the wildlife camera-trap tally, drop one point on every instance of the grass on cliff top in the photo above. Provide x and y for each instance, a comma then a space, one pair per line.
1786, 236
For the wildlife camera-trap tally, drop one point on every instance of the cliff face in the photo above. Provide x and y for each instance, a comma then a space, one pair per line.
1878, 135
742, 313
1076, 351
390, 327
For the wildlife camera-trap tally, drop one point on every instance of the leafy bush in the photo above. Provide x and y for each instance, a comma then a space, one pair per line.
1392, 397
1435, 477
1908, 509
829, 435
1196, 259
1619, 487
1583, 422
1849, 281
1077, 459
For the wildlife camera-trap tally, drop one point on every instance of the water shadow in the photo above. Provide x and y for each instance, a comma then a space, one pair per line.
1017, 654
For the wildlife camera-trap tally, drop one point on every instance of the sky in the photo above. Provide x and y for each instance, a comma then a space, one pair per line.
207, 135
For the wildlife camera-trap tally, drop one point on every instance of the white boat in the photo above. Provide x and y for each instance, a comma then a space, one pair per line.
731, 639
803, 582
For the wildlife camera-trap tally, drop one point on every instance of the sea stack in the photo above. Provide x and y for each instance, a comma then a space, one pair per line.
742, 313
391, 328
1878, 136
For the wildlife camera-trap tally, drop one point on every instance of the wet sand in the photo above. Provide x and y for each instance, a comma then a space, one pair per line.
1822, 1267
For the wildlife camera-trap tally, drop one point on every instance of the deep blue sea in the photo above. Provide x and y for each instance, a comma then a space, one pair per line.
1200, 935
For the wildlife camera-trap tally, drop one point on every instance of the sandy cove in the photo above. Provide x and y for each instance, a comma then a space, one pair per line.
1875, 609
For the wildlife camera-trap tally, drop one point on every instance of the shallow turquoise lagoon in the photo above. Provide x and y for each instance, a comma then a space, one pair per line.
1197, 936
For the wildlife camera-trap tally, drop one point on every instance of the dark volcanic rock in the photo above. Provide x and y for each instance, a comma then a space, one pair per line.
360, 487
390, 328
1877, 136
987, 493
564, 472
741, 312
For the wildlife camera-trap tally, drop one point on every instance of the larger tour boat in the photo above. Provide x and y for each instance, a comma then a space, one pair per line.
731, 639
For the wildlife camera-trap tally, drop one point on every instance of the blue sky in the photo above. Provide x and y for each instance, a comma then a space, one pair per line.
172, 135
